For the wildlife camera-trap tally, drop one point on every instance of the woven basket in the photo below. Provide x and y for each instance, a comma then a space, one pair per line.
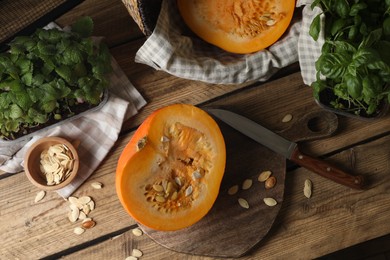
144, 13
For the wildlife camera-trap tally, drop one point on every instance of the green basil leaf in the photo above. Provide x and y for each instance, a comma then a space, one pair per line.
315, 27
337, 26
386, 26
355, 8
15, 111
342, 8
372, 38
354, 85
83, 26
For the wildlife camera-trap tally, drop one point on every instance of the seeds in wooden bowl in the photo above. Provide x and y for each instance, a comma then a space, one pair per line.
56, 163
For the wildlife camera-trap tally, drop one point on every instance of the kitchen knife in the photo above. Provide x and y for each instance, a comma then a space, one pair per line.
286, 148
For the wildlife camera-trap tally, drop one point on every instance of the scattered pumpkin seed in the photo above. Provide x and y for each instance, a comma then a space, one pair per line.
131, 258
78, 230
88, 224
264, 176
287, 118
136, 253
40, 195
97, 185
233, 190
307, 189
270, 202
137, 232
270, 182
243, 203
247, 184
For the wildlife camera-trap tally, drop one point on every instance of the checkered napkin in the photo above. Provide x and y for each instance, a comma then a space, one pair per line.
97, 131
168, 49
308, 49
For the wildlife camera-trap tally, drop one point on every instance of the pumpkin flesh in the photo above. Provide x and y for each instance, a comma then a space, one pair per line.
238, 26
168, 176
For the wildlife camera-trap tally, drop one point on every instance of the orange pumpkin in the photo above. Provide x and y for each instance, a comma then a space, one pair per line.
169, 174
238, 26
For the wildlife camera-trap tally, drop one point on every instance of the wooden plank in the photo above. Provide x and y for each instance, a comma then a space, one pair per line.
335, 217
111, 20
32, 230
46, 221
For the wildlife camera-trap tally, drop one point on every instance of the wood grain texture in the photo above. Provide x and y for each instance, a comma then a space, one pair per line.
246, 159
335, 217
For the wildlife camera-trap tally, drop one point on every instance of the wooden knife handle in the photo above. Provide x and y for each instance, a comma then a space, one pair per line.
327, 170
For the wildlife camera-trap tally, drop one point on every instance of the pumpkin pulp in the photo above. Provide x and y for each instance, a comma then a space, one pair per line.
238, 26
169, 174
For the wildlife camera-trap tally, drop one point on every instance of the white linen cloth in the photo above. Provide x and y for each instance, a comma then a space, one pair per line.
170, 50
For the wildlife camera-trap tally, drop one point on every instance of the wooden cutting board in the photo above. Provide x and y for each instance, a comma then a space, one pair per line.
230, 230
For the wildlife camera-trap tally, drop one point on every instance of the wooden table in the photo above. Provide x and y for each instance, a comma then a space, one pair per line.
336, 217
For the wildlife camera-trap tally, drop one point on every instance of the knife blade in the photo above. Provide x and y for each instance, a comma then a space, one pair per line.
287, 148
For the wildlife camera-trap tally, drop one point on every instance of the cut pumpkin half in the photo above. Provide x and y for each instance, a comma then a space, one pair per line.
238, 26
169, 174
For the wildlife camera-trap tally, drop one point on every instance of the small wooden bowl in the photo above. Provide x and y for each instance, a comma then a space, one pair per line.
32, 163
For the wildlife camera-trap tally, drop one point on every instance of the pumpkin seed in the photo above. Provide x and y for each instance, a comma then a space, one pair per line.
78, 230
40, 195
160, 199
188, 191
233, 190
141, 143
270, 182
196, 175
85, 199
243, 203
307, 189
246, 184
287, 118
136, 253
97, 185
137, 232
164, 139
270, 202
271, 22
178, 181
88, 224
264, 176
74, 213
131, 258
174, 195
158, 187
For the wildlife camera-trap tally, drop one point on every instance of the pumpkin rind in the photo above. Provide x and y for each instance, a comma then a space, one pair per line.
177, 149
238, 26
